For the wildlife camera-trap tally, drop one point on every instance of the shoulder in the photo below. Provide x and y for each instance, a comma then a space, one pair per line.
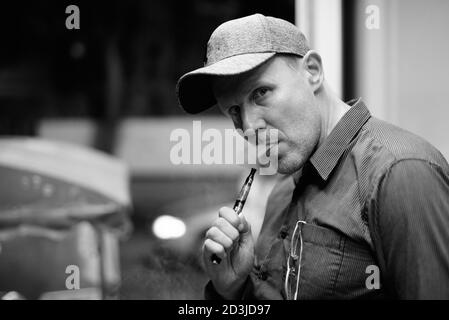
398, 144
382, 146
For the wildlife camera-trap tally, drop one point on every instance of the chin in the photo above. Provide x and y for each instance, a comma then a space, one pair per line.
286, 170
289, 166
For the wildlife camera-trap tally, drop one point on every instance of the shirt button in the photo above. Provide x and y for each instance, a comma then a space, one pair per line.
283, 233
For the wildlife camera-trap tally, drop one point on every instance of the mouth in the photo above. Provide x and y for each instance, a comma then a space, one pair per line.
265, 150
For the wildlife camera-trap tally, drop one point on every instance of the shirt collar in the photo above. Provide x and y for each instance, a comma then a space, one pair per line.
326, 157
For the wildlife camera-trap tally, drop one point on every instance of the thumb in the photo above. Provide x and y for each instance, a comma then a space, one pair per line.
245, 229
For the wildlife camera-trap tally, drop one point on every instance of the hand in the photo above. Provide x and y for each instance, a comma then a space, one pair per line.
231, 240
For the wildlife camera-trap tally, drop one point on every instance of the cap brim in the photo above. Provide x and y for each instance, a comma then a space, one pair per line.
194, 89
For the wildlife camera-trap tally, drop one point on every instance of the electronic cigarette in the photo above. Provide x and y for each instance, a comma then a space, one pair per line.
239, 203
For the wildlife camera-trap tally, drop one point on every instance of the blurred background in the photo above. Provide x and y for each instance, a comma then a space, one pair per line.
107, 91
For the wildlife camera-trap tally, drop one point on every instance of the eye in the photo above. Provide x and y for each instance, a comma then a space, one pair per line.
259, 93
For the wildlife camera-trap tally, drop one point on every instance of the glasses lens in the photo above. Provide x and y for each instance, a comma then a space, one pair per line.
294, 263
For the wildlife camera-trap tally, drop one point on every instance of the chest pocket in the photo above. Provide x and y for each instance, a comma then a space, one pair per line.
322, 257
332, 266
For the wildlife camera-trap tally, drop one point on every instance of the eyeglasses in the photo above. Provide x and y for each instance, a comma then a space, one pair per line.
293, 262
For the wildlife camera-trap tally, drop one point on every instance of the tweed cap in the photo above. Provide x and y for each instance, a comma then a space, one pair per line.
235, 47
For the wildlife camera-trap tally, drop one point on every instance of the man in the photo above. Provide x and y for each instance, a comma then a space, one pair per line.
363, 211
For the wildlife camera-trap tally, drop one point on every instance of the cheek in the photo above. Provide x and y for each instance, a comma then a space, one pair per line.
293, 113
302, 131
301, 121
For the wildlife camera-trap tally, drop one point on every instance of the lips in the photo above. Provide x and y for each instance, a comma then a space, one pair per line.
267, 150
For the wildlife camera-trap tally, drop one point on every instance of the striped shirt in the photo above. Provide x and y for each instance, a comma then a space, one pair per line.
375, 204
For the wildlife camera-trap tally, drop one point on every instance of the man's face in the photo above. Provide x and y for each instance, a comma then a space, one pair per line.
277, 96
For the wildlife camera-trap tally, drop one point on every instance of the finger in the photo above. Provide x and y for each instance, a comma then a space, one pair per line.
211, 247
217, 235
228, 229
231, 216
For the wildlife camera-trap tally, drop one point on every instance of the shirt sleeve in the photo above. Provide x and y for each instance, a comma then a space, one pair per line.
413, 227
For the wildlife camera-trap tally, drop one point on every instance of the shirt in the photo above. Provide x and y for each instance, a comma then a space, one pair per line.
375, 202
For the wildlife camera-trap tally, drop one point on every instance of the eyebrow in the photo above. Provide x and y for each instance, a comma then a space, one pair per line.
251, 81
242, 87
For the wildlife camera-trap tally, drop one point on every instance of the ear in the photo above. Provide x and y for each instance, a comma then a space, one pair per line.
314, 69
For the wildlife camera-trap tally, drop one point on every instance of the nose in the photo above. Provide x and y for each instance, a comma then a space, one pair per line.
252, 119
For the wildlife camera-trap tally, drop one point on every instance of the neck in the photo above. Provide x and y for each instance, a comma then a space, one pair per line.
332, 110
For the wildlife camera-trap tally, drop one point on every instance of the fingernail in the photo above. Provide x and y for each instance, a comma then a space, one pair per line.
240, 226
